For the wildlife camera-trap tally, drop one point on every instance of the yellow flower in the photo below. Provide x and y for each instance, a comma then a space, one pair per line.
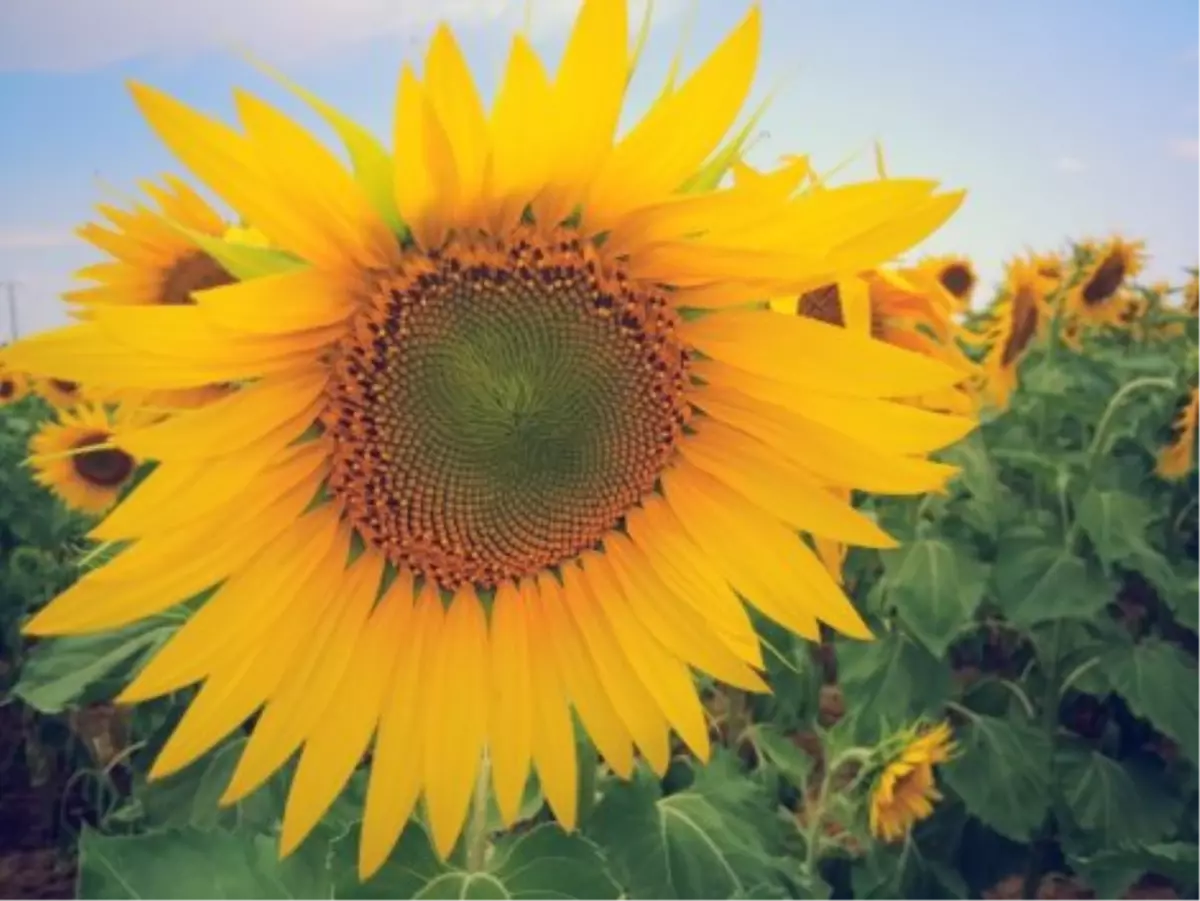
76, 459
905, 792
1095, 298
62, 394
1019, 317
952, 277
13, 386
1177, 459
482, 468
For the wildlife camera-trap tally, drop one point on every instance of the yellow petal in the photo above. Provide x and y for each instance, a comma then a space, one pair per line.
623, 686
806, 353
278, 304
456, 716
426, 178
548, 619
319, 187
587, 96
553, 729
296, 707
395, 781
455, 100
781, 575
337, 743
663, 677
511, 726
764, 477
679, 132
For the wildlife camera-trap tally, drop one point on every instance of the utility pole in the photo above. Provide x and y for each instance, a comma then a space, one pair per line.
11, 290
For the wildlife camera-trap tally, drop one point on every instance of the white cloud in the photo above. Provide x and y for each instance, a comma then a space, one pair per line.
19, 237
1184, 148
1071, 164
65, 35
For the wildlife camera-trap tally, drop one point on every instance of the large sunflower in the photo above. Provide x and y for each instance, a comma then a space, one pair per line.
1096, 296
1018, 318
75, 457
526, 452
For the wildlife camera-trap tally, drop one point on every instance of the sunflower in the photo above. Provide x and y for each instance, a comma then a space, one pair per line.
953, 278
62, 394
75, 457
13, 386
1095, 298
890, 308
517, 439
905, 791
1191, 294
1177, 459
1019, 316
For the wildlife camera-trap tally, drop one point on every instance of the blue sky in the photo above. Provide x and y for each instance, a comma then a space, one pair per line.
1062, 118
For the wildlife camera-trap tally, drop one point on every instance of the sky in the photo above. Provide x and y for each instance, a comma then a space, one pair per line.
1062, 118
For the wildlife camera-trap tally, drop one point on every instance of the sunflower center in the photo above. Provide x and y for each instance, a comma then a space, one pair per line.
498, 406
7, 388
105, 467
196, 271
957, 279
1024, 325
1105, 280
65, 386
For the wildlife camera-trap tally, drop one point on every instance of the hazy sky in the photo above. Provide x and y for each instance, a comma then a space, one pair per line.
1063, 118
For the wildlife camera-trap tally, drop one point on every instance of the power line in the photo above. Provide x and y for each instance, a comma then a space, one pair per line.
11, 291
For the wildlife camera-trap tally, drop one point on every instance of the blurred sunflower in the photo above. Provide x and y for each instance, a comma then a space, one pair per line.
59, 393
1019, 316
159, 257
905, 791
1095, 298
952, 277
75, 457
1191, 294
13, 386
483, 469
1177, 459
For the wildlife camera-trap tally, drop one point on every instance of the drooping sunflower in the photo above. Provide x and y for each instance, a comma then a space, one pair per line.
1177, 459
1095, 298
519, 438
952, 277
13, 386
76, 458
906, 790
1019, 317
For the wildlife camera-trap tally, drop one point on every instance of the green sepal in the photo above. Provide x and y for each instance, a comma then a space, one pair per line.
709, 175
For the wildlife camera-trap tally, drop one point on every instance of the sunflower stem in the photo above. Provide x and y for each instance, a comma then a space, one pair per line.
477, 828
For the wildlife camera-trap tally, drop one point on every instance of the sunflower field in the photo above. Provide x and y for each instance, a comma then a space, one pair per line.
607, 519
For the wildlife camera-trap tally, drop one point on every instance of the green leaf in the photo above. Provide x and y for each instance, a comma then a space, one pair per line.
64, 672
890, 681
686, 845
1002, 774
188, 863
935, 588
1158, 682
1181, 597
1116, 523
1111, 873
544, 862
1108, 804
1036, 582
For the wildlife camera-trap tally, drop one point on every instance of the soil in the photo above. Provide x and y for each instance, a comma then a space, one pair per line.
40, 812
